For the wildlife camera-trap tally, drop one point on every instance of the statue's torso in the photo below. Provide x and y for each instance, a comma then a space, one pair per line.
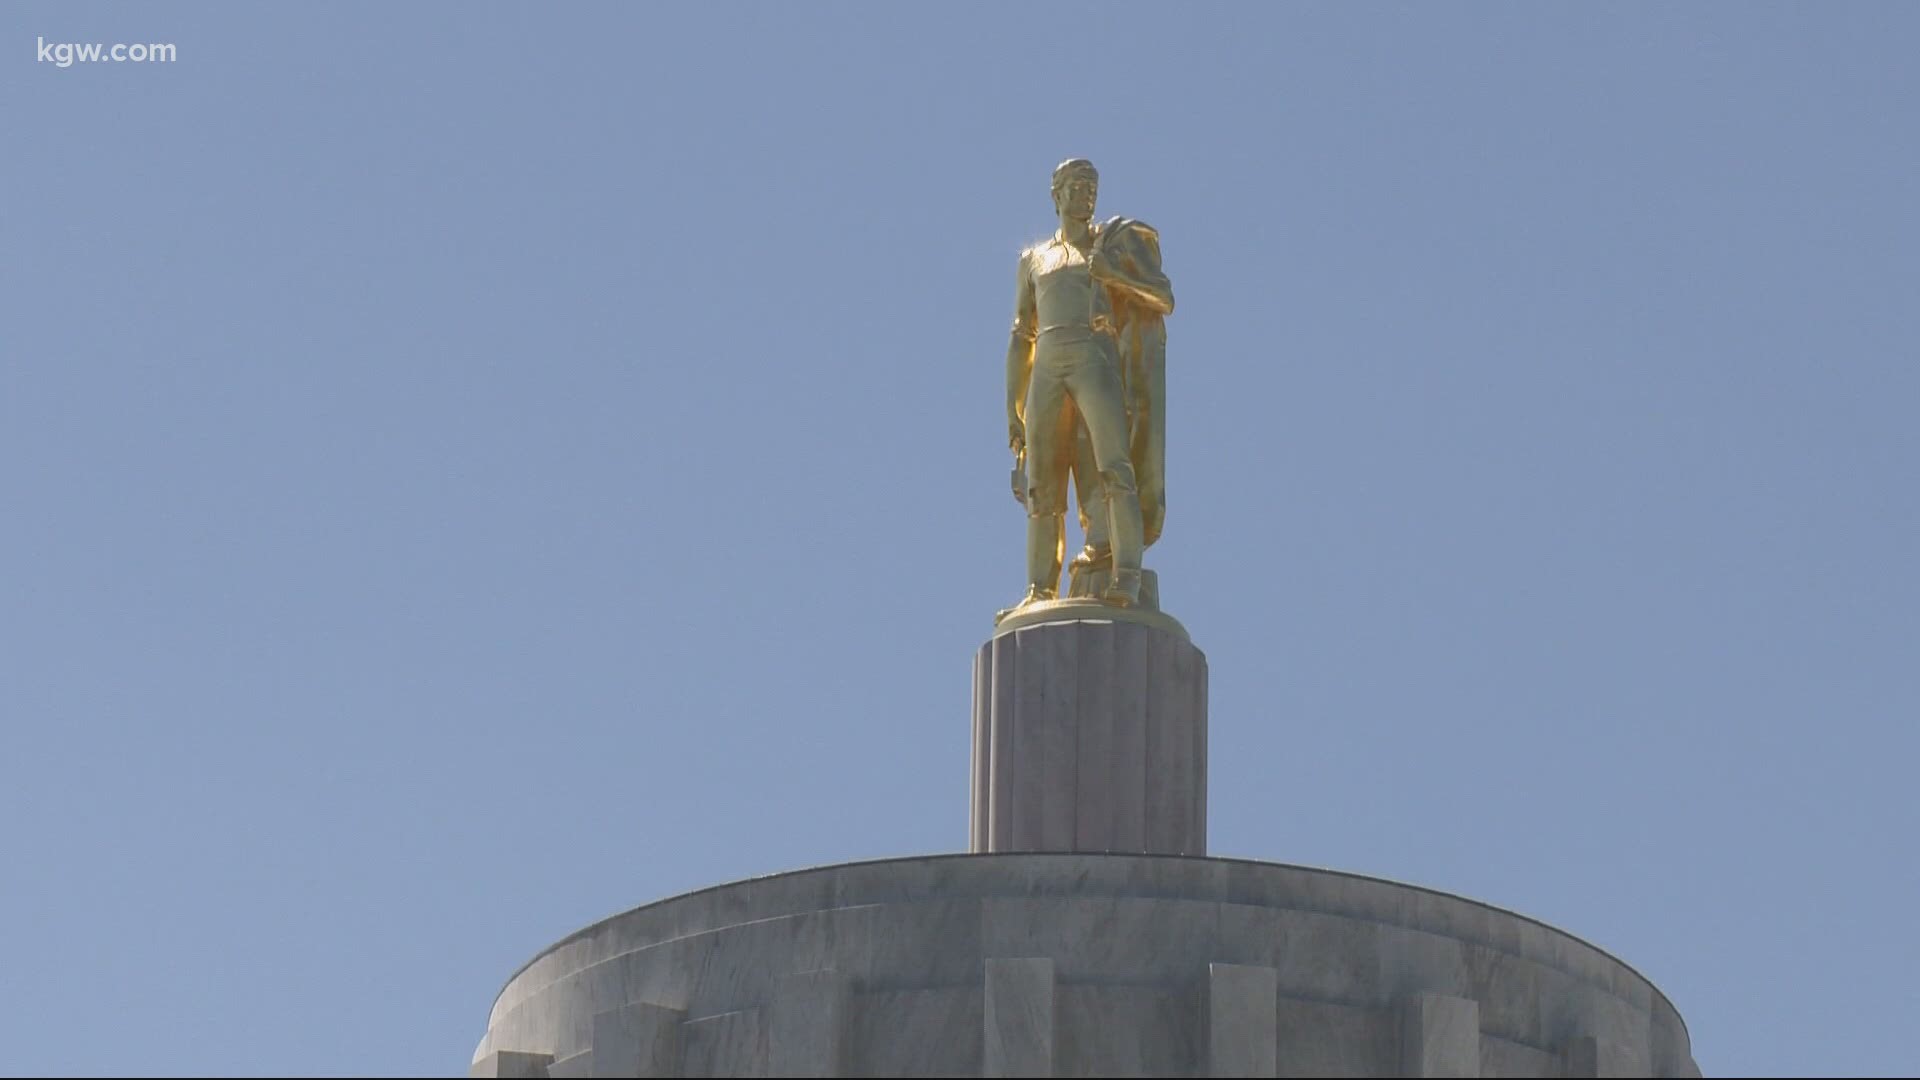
1068, 304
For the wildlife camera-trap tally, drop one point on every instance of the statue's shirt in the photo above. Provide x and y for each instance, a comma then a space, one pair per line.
1057, 295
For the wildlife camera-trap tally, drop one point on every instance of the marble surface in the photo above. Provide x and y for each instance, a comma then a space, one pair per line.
1017, 1033
730, 1044
637, 1039
1322, 1038
1120, 1029
889, 1032
809, 1024
1089, 736
1439, 1035
1588, 1055
1243, 1006
509, 1063
1153, 965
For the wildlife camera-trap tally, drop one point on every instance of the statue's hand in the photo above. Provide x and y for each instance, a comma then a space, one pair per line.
1017, 442
1102, 266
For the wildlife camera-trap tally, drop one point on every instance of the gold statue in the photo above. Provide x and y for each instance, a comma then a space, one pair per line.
1086, 384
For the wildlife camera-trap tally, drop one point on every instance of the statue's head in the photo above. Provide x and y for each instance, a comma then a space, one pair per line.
1076, 187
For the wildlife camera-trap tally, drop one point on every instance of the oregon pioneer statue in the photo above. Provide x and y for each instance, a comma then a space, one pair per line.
1086, 393
1085, 931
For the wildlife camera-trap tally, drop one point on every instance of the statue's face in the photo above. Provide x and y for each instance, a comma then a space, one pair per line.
1077, 197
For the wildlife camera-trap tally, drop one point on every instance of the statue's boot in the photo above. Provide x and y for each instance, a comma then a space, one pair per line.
1129, 542
1092, 561
1044, 539
1045, 534
1097, 556
1096, 518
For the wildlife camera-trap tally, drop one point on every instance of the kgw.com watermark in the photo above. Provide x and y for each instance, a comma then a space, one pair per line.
68, 53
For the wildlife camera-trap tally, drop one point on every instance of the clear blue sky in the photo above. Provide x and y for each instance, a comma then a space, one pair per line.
468, 470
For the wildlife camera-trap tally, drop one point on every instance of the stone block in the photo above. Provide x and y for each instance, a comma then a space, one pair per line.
730, 1044
1320, 1038
1104, 940
919, 1032
1589, 1055
1439, 1036
1102, 1029
1413, 962
934, 942
502, 1064
809, 1024
1018, 1021
1500, 1057
742, 961
1242, 1025
1332, 958
641, 1039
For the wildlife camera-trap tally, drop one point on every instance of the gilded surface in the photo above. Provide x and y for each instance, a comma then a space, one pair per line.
1086, 387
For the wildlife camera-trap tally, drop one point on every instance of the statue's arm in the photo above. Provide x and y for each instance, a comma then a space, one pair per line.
1020, 354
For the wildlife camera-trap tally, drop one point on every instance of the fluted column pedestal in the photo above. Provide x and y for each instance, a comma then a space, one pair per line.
1090, 734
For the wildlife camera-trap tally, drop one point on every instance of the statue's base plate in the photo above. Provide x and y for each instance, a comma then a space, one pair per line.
1085, 609
1088, 581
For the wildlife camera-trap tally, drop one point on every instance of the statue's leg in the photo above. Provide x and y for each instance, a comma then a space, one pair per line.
1048, 455
1046, 536
1094, 515
1095, 386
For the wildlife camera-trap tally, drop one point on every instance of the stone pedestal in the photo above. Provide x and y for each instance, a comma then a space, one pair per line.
1090, 734
1087, 934
1077, 965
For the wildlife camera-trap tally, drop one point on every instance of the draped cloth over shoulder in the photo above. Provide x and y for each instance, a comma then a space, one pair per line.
1140, 336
